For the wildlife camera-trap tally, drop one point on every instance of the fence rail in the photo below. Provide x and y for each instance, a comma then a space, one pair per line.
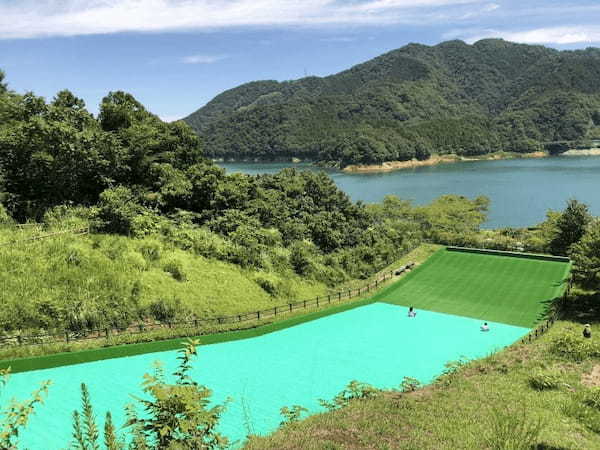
74, 231
194, 323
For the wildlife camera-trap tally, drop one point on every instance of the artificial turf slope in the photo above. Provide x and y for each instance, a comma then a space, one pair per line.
507, 289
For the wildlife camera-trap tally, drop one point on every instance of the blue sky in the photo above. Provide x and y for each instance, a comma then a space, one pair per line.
175, 55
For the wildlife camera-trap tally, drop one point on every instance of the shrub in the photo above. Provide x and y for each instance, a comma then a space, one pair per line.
116, 210
571, 345
353, 391
69, 217
175, 268
165, 310
269, 283
546, 380
508, 430
146, 223
291, 415
151, 249
410, 384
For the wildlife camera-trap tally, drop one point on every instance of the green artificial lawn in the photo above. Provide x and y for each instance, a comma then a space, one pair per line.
497, 288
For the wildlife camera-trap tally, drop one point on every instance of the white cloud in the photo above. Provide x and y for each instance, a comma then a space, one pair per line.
203, 59
171, 118
36, 18
551, 35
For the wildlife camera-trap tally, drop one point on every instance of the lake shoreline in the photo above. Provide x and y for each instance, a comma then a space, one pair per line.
390, 166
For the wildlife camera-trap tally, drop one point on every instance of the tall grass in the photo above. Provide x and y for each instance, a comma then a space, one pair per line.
105, 280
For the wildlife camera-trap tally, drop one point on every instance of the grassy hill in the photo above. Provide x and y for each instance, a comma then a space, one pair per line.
412, 102
98, 279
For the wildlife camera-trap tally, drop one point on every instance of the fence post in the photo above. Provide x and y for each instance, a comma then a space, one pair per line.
290, 307
376, 283
305, 304
19, 339
339, 296
329, 299
67, 336
258, 315
196, 323
106, 332
349, 293
275, 310
317, 302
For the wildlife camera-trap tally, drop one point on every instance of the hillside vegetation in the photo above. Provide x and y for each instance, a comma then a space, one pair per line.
171, 233
413, 102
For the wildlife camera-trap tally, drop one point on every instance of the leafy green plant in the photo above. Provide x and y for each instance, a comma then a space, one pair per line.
85, 430
175, 268
178, 415
450, 372
291, 415
546, 380
410, 384
353, 391
15, 416
569, 344
175, 416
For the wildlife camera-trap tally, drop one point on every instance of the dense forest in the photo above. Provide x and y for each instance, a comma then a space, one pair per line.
413, 102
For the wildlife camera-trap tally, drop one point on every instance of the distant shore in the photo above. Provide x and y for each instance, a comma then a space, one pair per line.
390, 166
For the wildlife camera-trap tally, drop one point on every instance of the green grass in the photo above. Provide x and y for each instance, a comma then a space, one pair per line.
494, 287
103, 275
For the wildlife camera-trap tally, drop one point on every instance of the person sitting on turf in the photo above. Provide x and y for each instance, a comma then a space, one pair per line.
412, 312
485, 327
587, 331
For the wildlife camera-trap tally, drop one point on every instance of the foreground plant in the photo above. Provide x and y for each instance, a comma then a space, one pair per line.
16, 415
175, 416
354, 390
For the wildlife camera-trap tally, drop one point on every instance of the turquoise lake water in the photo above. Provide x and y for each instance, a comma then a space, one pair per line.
377, 344
520, 190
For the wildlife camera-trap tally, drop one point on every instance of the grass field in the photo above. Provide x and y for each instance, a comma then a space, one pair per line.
498, 288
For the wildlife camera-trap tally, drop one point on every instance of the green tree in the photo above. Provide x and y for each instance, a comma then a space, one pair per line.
570, 227
586, 256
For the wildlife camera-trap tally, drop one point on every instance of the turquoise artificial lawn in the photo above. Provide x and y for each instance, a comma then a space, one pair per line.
377, 344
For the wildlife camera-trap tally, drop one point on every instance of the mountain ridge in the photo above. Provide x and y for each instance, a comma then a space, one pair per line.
465, 99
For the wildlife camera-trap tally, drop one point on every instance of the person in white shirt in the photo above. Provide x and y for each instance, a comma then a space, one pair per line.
412, 312
485, 327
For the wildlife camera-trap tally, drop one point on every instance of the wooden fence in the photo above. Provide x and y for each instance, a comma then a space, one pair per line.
75, 232
195, 324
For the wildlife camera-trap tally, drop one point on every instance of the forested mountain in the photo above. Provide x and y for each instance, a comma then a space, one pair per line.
411, 102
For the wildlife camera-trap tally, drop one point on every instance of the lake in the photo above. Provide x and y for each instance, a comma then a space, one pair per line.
520, 190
